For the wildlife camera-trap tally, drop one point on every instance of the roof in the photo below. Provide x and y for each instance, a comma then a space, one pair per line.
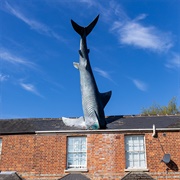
143, 122
31, 125
74, 177
9, 175
137, 176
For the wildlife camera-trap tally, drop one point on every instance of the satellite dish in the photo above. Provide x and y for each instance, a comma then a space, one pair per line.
166, 159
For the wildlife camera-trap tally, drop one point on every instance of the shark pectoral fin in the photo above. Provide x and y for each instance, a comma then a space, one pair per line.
105, 97
76, 65
74, 122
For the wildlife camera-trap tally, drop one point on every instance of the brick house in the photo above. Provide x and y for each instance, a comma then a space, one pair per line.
130, 148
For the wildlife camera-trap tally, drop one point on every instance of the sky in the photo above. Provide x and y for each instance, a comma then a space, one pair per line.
134, 52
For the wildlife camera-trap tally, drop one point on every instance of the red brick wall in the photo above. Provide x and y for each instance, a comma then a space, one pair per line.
166, 142
34, 154
44, 156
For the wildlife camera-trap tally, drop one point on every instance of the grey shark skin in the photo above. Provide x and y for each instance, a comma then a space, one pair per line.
93, 102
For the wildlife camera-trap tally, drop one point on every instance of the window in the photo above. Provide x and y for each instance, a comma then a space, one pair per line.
76, 157
135, 152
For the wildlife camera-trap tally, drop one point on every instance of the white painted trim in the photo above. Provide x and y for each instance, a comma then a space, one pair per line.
106, 130
136, 170
76, 170
7, 172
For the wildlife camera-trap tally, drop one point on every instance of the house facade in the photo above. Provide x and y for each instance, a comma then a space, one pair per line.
132, 147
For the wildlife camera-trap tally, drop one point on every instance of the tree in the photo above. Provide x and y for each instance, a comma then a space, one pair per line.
156, 109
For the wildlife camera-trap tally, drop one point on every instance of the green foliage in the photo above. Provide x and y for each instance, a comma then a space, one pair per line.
155, 109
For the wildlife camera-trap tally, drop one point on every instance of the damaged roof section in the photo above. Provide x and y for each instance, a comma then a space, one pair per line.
31, 125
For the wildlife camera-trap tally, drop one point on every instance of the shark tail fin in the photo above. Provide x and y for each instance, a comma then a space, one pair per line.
105, 97
81, 30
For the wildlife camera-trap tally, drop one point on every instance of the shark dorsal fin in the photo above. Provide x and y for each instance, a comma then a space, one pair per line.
105, 97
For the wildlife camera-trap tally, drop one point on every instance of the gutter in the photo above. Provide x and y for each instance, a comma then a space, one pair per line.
14, 133
93, 131
106, 130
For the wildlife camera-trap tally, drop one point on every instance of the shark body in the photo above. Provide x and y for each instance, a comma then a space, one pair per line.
93, 102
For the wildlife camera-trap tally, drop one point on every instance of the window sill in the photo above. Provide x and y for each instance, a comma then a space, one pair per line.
136, 170
76, 170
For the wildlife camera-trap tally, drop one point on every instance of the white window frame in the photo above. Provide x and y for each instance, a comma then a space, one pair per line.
75, 154
138, 151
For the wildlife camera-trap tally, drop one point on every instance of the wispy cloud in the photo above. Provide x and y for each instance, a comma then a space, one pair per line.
88, 2
7, 56
140, 85
31, 88
104, 74
34, 24
3, 77
174, 62
132, 32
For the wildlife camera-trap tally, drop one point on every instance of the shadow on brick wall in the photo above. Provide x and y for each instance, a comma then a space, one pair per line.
172, 165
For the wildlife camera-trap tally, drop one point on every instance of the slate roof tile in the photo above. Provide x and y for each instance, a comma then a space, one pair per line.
74, 177
137, 176
9, 176
143, 122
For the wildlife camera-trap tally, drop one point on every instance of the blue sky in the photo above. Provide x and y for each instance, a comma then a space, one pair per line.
134, 51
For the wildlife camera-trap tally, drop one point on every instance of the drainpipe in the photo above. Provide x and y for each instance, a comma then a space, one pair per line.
154, 131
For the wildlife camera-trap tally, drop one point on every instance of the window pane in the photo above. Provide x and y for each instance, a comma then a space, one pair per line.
136, 156
129, 147
142, 156
142, 164
136, 163
135, 141
131, 156
141, 140
70, 149
130, 164
141, 147
136, 147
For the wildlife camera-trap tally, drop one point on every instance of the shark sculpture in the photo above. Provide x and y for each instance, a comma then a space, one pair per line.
93, 102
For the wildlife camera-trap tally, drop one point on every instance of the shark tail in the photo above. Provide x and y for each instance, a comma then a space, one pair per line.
84, 30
